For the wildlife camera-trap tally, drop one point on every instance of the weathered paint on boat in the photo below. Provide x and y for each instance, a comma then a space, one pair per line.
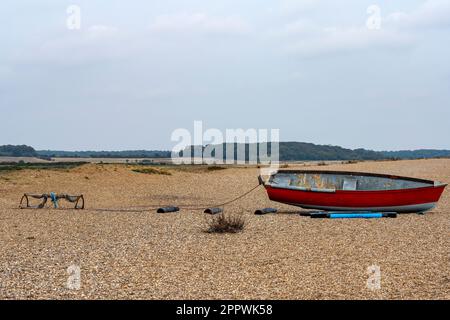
353, 191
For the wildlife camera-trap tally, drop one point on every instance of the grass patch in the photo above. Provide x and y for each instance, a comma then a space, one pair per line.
350, 162
223, 223
197, 168
152, 171
215, 168
5, 167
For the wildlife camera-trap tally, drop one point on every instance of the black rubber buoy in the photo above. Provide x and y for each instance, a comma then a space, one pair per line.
265, 211
319, 215
168, 209
305, 214
390, 215
213, 210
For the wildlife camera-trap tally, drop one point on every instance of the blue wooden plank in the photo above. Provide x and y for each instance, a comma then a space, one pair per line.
354, 215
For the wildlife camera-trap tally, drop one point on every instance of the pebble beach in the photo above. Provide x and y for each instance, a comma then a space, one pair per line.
123, 249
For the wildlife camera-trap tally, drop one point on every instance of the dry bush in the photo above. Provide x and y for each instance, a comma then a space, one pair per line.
198, 168
152, 171
350, 162
215, 168
223, 223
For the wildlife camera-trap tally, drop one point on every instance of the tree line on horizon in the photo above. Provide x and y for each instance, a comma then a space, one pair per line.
289, 151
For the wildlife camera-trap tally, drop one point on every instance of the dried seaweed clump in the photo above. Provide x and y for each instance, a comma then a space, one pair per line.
224, 223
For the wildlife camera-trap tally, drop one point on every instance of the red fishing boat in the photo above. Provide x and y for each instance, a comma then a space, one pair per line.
352, 191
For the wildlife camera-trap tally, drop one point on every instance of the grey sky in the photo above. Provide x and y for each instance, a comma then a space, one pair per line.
137, 70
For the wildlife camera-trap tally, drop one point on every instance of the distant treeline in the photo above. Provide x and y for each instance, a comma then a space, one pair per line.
417, 154
302, 151
17, 151
105, 154
289, 151
27, 151
294, 151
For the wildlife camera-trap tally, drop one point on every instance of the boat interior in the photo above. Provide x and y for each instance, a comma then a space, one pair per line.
331, 181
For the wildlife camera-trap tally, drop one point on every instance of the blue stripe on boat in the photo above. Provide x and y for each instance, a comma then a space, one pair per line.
372, 215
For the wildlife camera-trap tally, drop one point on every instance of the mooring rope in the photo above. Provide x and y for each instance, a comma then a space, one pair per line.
187, 207
228, 202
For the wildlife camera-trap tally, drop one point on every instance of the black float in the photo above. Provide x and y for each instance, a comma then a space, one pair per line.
265, 211
213, 210
168, 209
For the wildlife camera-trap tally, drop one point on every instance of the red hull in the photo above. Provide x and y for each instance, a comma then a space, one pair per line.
405, 200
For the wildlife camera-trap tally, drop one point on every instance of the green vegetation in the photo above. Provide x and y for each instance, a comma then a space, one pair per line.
215, 168
105, 154
416, 154
301, 151
289, 151
17, 151
152, 171
13, 166
295, 151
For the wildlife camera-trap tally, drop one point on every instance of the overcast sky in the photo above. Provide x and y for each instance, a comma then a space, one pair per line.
137, 70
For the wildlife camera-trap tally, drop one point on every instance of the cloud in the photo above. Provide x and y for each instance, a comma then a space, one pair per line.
102, 31
66, 47
300, 27
4, 70
200, 23
398, 29
297, 6
335, 39
431, 14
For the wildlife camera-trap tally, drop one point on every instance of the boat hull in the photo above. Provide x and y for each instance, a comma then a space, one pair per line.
402, 201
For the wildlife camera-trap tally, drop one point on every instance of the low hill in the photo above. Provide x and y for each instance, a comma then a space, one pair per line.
105, 154
17, 151
289, 151
417, 154
296, 151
